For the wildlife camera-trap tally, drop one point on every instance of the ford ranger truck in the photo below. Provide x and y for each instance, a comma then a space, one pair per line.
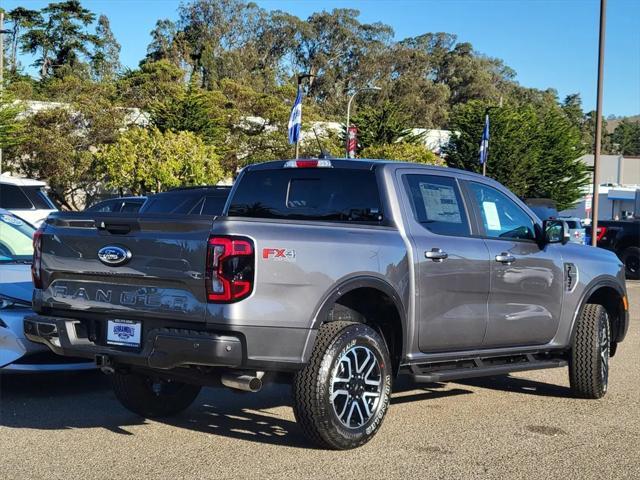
335, 275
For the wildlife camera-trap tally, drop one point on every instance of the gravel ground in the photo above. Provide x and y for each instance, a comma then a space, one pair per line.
521, 426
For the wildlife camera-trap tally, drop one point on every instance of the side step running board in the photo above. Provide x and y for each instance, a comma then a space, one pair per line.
421, 374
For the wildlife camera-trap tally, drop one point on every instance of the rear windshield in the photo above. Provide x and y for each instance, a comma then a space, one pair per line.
343, 195
573, 224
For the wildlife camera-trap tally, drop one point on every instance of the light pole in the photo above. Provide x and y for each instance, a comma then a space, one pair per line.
596, 153
353, 95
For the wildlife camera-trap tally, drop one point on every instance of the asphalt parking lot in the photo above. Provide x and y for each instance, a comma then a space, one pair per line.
521, 426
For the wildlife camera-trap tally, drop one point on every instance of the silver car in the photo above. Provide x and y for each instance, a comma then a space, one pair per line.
16, 353
577, 232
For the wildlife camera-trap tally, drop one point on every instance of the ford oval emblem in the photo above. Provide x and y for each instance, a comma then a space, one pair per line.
114, 255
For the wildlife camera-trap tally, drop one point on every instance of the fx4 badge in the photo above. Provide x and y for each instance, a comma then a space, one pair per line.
279, 254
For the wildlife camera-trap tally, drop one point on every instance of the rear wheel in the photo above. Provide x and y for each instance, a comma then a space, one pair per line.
631, 259
151, 397
342, 394
589, 361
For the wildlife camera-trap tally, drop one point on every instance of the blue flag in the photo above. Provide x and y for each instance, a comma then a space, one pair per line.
484, 143
295, 119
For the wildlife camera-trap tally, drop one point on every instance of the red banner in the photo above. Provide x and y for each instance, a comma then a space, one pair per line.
352, 142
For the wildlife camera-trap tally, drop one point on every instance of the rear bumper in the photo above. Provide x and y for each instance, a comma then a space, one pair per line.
165, 346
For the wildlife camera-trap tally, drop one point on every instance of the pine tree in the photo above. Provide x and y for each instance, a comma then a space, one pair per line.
533, 152
105, 61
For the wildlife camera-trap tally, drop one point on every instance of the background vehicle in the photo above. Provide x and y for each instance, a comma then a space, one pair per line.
25, 198
16, 353
544, 208
577, 232
188, 200
337, 275
118, 205
623, 238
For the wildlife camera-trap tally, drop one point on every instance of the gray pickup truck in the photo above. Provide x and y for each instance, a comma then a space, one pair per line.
335, 275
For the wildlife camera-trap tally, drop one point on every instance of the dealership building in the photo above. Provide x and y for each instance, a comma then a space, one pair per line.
619, 192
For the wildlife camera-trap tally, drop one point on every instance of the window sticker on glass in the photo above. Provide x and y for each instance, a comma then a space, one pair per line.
491, 216
440, 203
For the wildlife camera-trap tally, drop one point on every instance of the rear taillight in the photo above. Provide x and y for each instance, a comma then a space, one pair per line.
601, 232
229, 273
36, 265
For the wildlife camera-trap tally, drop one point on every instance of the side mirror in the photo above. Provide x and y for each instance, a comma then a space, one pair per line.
555, 231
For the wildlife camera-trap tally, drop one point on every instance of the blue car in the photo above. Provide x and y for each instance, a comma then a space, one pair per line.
17, 354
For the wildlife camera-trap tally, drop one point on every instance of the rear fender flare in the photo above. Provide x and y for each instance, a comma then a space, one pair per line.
345, 286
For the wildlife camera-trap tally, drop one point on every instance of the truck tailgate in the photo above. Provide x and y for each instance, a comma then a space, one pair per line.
162, 278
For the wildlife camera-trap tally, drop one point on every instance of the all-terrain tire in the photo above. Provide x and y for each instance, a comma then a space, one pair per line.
142, 395
631, 259
589, 359
326, 414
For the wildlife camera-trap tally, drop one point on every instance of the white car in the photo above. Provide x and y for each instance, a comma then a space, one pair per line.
17, 354
25, 198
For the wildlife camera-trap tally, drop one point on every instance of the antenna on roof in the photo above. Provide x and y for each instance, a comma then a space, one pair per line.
323, 153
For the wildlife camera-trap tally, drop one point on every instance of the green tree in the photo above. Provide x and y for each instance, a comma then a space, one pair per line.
625, 138
105, 61
146, 161
193, 110
383, 125
533, 152
403, 152
11, 127
20, 18
151, 83
56, 152
60, 38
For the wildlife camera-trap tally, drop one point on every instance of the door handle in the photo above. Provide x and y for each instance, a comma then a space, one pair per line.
436, 254
506, 258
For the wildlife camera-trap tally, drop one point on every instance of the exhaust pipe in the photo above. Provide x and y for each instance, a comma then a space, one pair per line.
246, 383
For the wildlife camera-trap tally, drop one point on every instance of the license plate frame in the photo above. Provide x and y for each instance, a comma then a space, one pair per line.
124, 333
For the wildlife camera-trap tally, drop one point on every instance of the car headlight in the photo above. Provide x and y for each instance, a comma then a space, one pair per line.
8, 302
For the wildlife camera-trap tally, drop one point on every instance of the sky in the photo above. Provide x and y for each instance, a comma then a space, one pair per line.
549, 43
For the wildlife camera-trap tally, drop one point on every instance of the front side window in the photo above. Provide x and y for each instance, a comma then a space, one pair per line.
501, 216
15, 239
13, 198
437, 204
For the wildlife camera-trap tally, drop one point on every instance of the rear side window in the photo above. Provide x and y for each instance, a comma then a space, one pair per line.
437, 204
12, 197
106, 207
332, 194
131, 207
39, 198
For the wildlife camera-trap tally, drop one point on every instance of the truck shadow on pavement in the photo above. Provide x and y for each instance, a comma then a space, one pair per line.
85, 400
506, 383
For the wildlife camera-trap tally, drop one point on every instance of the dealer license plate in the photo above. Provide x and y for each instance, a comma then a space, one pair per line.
124, 332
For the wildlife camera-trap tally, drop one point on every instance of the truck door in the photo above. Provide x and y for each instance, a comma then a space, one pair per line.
526, 281
452, 267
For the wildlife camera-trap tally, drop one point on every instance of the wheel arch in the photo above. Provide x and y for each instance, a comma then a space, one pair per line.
376, 303
608, 293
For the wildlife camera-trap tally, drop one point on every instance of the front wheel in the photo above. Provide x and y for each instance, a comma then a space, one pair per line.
342, 394
589, 360
149, 397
